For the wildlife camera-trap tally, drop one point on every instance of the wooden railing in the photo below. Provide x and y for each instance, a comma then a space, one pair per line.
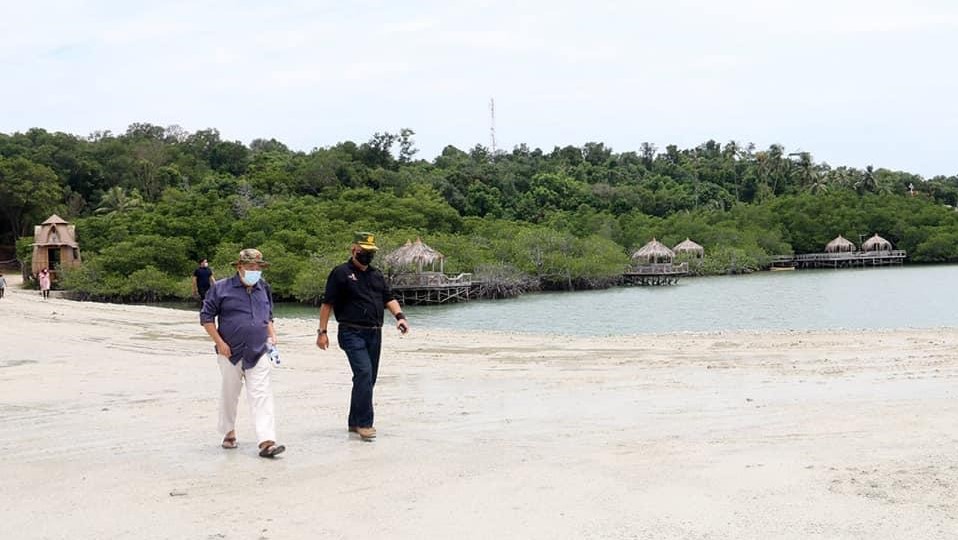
659, 268
430, 279
841, 256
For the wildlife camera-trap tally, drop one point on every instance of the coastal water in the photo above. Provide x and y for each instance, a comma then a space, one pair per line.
874, 298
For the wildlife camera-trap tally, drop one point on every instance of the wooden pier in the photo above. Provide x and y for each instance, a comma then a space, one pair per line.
431, 288
848, 259
655, 274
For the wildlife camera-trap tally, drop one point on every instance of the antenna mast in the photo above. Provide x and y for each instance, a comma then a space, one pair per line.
492, 123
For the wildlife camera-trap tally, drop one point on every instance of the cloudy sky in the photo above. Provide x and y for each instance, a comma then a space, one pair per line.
855, 82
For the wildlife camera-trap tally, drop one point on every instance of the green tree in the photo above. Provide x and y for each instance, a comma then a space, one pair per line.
407, 147
117, 201
28, 193
866, 182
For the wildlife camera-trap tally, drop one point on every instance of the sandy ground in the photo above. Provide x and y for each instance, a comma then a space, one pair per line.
107, 430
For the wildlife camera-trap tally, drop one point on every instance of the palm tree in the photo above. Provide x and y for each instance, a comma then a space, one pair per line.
885, 188
807, 175
819, 185
867, 183
843, 178
776, 170
115, 200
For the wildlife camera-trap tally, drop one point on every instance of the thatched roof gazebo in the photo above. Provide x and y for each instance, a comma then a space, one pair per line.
54, 244
653, 252
876, 243
840, 245
689, 247
415, 255
414, 285
653, 264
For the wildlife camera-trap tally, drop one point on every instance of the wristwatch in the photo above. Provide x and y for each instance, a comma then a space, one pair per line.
320, 331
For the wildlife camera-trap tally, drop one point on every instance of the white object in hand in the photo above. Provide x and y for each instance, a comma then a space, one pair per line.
273, 354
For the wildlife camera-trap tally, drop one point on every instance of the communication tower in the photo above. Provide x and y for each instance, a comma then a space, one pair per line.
492, 123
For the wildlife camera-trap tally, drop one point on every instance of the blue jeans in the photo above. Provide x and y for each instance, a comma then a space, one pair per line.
362, 348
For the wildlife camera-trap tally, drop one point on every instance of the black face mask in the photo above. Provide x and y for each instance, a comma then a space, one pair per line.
364, 257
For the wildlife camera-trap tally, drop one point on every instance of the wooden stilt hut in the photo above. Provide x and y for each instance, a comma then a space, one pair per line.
842, 253
840, 245
689, 248
414, 279
876, 243
653, 264
54, 245
415, 255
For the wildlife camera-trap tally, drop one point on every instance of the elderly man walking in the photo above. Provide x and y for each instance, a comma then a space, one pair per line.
357, 293
243, 307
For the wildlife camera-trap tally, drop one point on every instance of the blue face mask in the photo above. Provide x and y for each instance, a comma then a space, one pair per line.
251, 277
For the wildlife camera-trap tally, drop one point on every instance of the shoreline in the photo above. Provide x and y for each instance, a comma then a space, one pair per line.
806, 303
530, 333
64, 294
107, 413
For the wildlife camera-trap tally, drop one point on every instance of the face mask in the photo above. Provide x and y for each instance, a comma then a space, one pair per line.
364, 257
251, 277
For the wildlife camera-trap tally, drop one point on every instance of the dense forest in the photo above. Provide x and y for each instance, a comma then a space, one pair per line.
151, 201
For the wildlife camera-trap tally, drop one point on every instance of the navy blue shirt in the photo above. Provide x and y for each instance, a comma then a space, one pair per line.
244, 316
358, 296
203, 276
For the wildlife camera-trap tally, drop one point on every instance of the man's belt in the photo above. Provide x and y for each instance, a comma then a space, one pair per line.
360, 326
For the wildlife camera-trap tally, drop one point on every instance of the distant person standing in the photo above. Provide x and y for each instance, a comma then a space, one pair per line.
202, 280
3, 285
357, 294
44, 279
238, 314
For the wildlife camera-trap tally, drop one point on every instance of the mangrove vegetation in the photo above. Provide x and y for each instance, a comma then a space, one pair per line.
150, 202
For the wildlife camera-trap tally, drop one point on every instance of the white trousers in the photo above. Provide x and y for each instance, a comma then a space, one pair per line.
258, 392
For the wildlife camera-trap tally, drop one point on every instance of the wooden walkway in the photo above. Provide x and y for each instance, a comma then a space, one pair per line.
848, 259
655, 274
432, 288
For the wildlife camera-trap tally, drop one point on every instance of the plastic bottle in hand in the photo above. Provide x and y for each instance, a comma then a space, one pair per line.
273, 354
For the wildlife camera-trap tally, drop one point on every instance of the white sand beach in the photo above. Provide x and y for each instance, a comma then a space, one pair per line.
108, 414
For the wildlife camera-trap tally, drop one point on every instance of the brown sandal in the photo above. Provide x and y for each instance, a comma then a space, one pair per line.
229, 443
271, 450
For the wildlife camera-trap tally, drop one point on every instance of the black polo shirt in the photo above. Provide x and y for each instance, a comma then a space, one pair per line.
203, 276
358, 296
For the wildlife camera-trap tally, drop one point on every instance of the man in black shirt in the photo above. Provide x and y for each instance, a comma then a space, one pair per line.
357, 293
202, 280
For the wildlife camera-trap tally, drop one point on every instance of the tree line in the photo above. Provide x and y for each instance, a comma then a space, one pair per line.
149, 202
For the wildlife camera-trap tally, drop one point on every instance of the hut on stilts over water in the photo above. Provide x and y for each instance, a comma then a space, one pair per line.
689, 252
876, 251
653, 264
54, 246
842, 253
840, 245
876, 243
414, 279
689, 248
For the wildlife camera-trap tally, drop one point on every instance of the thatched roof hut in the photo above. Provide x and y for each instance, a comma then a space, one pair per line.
415, 255
54, 244
876, 243
839, 245
689, 247
653, 252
